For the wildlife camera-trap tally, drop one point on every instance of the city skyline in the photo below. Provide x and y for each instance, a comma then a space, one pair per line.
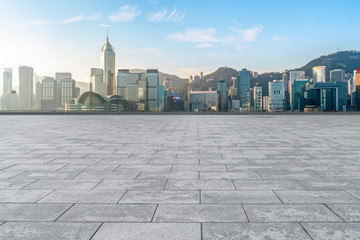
176, 37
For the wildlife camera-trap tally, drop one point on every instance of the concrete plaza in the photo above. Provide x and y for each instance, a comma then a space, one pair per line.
182, 177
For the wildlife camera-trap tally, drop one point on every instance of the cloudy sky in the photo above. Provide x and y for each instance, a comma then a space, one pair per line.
180, 37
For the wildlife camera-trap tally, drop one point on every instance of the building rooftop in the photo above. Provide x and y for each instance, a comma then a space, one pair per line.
180, 177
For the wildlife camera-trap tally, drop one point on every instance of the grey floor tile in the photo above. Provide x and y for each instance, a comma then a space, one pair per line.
316, 197
229, 175
267, 185
149, 231
168, 175
199, 213
239, 197
167, 196
290, 213
132, 184
31, 212
43, 184
83, 196
109, 213
14, 183
348, 212
333, 231
254, 231
47, 230
200, 185
22, 196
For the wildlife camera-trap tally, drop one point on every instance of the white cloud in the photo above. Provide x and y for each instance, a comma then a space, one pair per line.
157, 16
195, 35
82, 17
126, 13
162, 15
241, 47
104, 25
204, 45
248, 35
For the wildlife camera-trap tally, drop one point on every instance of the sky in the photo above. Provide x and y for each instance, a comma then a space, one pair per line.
178, 37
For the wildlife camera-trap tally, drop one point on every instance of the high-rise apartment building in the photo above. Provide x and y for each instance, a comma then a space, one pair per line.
319, 74
97, 83
108, 65
258, 98
26, 75
337, 75
276, 96
243, 88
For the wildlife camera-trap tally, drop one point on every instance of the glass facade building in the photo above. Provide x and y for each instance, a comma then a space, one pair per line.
243, 88
221, 87
204, 101
152, 82
7, 88
337, 75
108, 65
298, 94
276, 96
258, 98
319, 74
26, 75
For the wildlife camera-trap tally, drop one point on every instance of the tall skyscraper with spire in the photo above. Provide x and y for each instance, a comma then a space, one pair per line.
108, 65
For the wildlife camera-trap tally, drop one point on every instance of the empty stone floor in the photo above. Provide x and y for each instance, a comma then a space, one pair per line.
181, 177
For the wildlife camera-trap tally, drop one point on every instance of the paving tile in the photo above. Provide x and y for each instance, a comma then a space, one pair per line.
239, 197
132, 184
31, 212
254, 231
83, 196
348, 212
118, 175
199, 213
167, 196
149, 231
22, 196
43, 184
47, 230
229, 175
14, 183
316, 197
333, 231
33, 174
168, 175
290, 213
109, 213
330, 185
200, 185
267, 185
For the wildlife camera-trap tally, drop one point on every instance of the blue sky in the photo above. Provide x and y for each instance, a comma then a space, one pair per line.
180, 37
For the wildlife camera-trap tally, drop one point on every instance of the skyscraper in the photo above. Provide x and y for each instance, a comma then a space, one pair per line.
167, 83
223, 95
7, 87
337, 75
97, 83
62, 75
258, 98
108, 65
319, 74
357, 89
26, 75
294, 75
152, 81
243, 88
276, 96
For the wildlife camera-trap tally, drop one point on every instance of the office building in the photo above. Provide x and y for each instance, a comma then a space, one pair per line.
152, 82
61, 76
243, 88
258, 98
326, 96
357, 89
108, 65
276, 96
97, 83
234, 87
160, 98
67, 91
167, 83
49, 94
203, 101
221, 87
38, 96
26, 75
319, 74
7, 88
293, 75
298, 94
337, 75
